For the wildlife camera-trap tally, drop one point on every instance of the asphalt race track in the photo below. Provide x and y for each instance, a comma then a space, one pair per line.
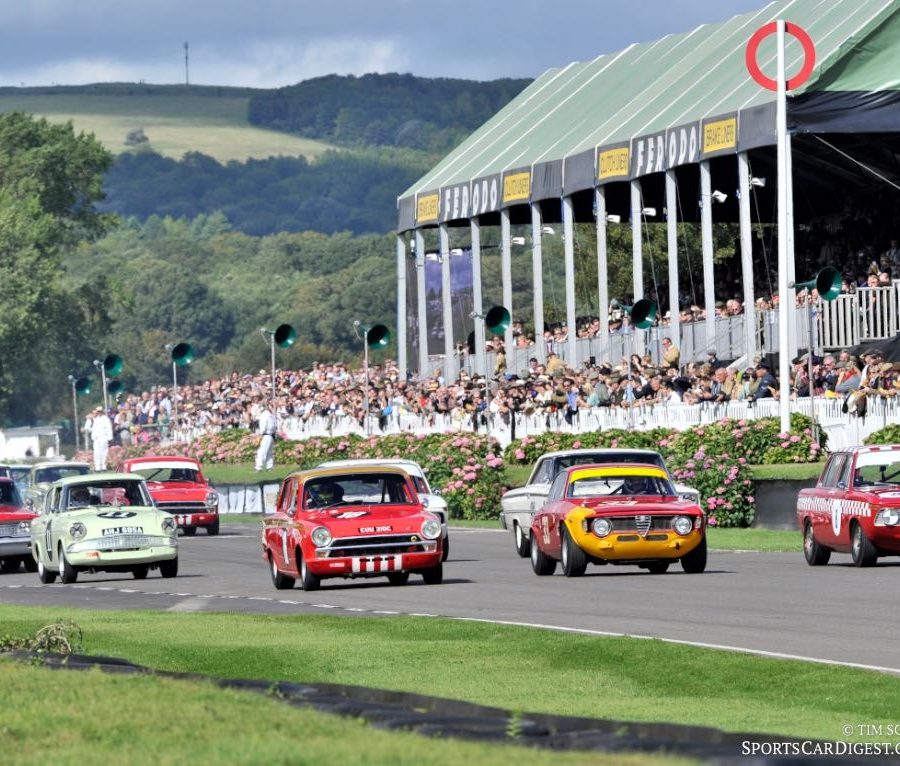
768, 603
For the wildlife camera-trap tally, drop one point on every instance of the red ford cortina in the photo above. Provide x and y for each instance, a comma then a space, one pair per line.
350, 522
616, 514
178, 486
15, 529
854, 508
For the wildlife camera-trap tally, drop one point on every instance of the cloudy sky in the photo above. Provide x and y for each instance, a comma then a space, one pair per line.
270, 43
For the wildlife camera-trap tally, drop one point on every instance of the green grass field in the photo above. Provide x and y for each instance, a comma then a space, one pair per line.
174, 123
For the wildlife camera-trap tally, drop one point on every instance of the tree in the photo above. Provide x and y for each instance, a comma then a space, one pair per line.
50, 180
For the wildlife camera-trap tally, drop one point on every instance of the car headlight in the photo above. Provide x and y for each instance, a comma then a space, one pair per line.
169, 525
431, 529
683, 525
24, 527
321, 536
887, 517
601, 527
212, 500
77, 530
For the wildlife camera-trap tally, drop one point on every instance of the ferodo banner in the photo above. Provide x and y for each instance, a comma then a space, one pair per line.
648, 154
516, 186
613, 162
455, 202
427, 207
720, 135
683, 145
486, 194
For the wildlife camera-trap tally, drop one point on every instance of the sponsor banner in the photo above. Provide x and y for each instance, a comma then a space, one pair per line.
546, 180
613, 162
406, 214
719, 135
756, 127
648, 154
485, 195
455, 202
427, 207
579, 171
683, 145
516, 186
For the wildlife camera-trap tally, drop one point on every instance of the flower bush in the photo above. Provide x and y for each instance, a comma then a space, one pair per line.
886, 435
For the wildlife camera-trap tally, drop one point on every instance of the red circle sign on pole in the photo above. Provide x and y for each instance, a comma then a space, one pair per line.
809, 55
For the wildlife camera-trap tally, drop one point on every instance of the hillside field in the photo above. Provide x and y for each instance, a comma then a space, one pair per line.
175, 121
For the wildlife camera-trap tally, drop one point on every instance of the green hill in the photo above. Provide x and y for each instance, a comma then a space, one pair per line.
175, 119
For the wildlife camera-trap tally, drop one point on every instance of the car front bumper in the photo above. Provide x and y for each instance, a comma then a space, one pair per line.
374, 564
630, 546
15, 546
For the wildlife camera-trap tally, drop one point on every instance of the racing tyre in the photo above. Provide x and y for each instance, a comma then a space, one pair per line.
8, 566
541, 564
169, 568
45, 575
862, 551
398, 578
30, 564
67, 573
574, 562
433, 576
815, 554
446, 548
213, 529
279, 580
189, 531
140, 573
523, 544
695, 561
659, 567
308, 581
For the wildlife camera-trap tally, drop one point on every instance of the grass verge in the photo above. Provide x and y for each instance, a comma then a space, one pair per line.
536, 670
764, 540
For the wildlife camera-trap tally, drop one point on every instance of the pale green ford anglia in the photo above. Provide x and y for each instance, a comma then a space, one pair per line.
102, 522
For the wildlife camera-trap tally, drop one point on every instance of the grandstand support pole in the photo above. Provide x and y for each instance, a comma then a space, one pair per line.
421, 299
792, 313
537, 273
506, 280
602, 264
569, 249
637, 253
784, 295
402, 312
477, 299
672, 247
450, 373
746, 234
709, 284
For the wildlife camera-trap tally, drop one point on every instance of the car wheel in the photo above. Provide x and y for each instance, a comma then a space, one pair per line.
308, 581
541, 564
446, 548
862, 551
213, 529
816, 555
523, 544
574, 562
45, 575
279, 580
695, 561
8, 566
658, 567
433, 576
67, 573
189, 531
398, 578
30, 564
140, 573
169, 568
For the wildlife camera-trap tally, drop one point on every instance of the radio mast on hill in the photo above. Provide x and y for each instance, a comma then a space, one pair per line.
187, 78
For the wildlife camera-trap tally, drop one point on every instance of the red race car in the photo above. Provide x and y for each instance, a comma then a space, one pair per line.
854, 508
178, 486
15, 529
359, 521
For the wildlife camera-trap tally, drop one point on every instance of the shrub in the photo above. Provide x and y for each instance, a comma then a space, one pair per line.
887, 435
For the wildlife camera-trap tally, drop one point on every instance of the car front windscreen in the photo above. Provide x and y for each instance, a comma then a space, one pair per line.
9, 494
115, 493
373, 488
631, 484
877, 469
57, 472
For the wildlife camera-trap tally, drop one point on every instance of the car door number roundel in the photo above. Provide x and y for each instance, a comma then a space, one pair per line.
48, 544
836, 517
284, 545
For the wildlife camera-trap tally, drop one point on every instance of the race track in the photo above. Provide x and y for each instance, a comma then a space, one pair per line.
769, 603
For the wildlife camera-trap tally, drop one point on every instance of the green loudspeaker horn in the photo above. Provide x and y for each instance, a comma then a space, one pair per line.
116, 387
643, 313
182, 354
113, 364
378, 336
285, 335
497, 320
83, 386
827, 283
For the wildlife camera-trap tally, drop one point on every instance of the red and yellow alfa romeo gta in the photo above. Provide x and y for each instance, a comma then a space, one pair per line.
616, 514
353, 521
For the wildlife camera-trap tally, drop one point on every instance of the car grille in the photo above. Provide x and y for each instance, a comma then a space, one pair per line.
376, 544
11, 530
641, 523
191, 506
126, 542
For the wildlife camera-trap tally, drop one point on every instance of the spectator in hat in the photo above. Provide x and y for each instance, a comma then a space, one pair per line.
766, 383
101, 436
671, 354
849, 377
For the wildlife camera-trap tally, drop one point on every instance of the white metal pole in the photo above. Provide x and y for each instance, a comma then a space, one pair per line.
784, 294
174, 424
602, 266
421, 308
672, 246
709, 280
506, 279
447, 299
637, 256
746, 235
537, 274
272, 343
569, 249
75, 408
477, 298
402, 311
366, 371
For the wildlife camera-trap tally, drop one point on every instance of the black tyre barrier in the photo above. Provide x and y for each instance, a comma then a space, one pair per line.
437, 717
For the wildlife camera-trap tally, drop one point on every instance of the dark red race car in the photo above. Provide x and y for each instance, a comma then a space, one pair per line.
15, 529
178, 486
